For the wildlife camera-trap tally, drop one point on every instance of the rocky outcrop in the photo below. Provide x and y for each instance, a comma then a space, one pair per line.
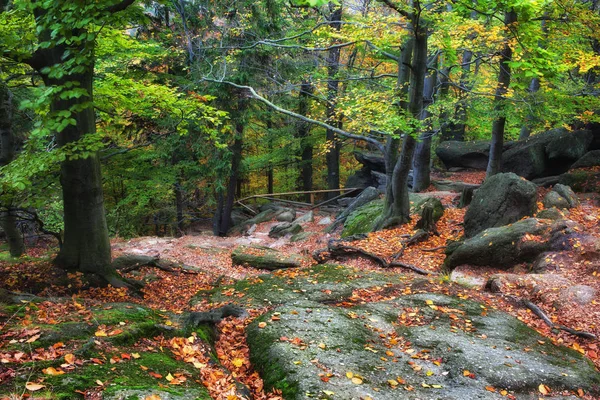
501, 200
464, 154
546, 154
508, 245
285, 228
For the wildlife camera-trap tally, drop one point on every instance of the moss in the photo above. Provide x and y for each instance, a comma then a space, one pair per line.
273, 375
115, 377
363, 219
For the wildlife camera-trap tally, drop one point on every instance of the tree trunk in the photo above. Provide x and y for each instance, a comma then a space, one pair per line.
422, 159
224, 212
306, 147
495, 160
397, 211
333, 66
393, 142
86, 245
7, 153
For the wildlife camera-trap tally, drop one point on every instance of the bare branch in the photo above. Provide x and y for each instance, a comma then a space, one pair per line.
322, 124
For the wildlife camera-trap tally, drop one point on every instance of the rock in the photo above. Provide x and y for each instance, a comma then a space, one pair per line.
464, 154
546, 262
532, 283
507, 245
362, 220
344, 344
554, 200
568, 147
345, 201
265, 258
360, 179
380, 180
550, 213
371, 161
285, 228
301, 236
501, 200
305, 218
454, 186
467, 279
568, 194
264, 216
581, 180
589, 159
239, 216
324, 221
363, 198
528, 159
286, 216
578, 294
251, 230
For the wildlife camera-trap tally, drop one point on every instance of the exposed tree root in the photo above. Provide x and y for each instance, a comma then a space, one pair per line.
419, 236
540, 314
215, 316
337, 250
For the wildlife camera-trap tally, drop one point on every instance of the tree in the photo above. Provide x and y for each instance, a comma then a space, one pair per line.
64, 58
8, 219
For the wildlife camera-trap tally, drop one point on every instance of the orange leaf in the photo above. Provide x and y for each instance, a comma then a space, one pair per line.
70, 358
34, 386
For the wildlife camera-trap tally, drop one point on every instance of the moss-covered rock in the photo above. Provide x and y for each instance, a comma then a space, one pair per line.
312, 340
265, 258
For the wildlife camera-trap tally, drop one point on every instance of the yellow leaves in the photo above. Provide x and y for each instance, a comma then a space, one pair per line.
237, 362
357, 381
32, 386
101, 333
262, 325
544, 389
153, 397
69, 358
322, 346
52, 371
393, 383
169, 377
32, 339
349, 375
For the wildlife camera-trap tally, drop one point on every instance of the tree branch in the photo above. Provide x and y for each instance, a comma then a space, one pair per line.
322, 124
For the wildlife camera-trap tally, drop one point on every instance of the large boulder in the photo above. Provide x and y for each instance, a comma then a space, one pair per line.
285, 228
266, 258
589, 159
508, 245
464, 154
501, 200
528, 159
362, 219
366, 196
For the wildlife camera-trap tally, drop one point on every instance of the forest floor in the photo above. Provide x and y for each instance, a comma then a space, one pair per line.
111, 342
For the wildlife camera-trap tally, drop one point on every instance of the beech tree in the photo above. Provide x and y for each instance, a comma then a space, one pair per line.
63, 56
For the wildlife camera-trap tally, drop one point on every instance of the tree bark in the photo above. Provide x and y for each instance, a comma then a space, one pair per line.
397, 211
495, 160
422, 158
306, 147
7, 153
333, 66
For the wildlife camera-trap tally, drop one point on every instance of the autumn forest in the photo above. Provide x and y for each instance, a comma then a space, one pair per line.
298, 199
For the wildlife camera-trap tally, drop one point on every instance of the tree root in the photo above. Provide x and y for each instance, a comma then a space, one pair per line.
338, 250
215, 316
540, 314
419, 236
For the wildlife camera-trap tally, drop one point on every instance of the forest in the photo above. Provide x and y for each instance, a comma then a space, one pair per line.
298, 199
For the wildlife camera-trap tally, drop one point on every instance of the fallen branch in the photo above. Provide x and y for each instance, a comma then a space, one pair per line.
419, 236
540, 313
337, 250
